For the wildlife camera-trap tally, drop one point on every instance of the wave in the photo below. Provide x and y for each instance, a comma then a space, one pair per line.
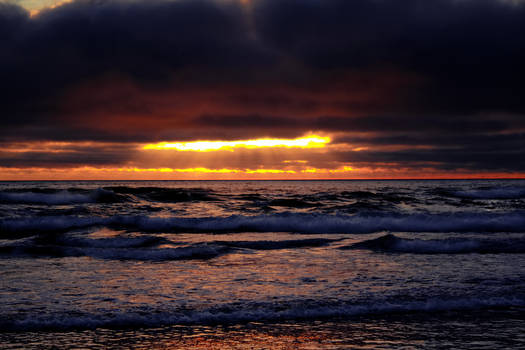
506, 192
391, 243
61, 197
382, 196
272, 245
142, 241
32, 225
167, 195
121, 251
253, 197
250, 312
194, 252
291, 203
104, 195
142, 247
280, 222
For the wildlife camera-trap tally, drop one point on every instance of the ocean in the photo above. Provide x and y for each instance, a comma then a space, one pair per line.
262, 264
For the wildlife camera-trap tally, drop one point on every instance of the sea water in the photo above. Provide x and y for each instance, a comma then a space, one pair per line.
262, 264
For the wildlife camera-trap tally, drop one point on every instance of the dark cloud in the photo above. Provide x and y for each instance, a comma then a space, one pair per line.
471, 142
246, 121
422, 125
444, 159
441, 73
491, 142
54, 155
44, 159
145, 40
471, 51
502, 153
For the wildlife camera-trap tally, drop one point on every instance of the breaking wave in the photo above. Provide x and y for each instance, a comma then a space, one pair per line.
391, 243
104, 195
280, 222
271, 245
141, 247
162, 194
119, 252
251, 312
141, 241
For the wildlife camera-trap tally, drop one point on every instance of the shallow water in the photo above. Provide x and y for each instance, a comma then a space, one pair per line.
292, 264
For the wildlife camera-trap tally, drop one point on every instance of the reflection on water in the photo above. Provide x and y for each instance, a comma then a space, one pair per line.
451, 330
292, 265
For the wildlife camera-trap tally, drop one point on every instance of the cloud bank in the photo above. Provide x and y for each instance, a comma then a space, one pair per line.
417, 83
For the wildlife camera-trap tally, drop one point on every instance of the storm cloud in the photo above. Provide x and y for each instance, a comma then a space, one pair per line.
443, 75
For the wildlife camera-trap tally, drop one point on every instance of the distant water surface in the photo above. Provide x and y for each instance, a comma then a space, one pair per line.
325, 264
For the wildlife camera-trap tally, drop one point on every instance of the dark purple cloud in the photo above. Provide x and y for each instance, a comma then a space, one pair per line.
440, 73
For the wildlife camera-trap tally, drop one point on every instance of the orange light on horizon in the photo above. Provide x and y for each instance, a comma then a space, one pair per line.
172, 170
310, 141
203, 170
33, 11
294, 173
342, 169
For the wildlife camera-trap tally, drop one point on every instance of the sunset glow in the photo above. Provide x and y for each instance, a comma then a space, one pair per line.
207, 171
178, 171
36, 6
312, 141
267, 89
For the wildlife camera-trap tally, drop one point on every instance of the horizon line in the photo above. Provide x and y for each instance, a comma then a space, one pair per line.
240, 180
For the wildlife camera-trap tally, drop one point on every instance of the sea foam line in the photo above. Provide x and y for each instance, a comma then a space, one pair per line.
249, 312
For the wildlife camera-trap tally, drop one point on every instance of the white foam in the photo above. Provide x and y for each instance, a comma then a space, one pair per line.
288, 222
391, 243
492, 193
308, 223
251, 312
48, 223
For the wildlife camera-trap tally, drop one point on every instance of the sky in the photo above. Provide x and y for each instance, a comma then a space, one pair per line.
262, 89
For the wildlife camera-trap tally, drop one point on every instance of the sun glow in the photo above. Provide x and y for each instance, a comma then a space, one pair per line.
311, 141
202, 170
36, 7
